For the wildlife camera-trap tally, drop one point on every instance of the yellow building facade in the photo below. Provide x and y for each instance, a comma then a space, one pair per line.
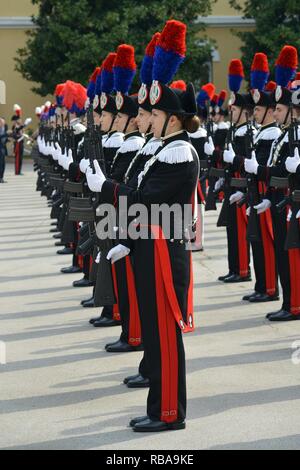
15, 19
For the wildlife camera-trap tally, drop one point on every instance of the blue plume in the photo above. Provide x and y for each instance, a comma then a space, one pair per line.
98, 86
107, 81
91, 90
202, 98
283, 75
259, 79
123, 79
146, 70
166, 64
235, 82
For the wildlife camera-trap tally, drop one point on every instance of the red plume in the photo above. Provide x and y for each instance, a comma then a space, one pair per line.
173, 37
270, 86
210, 89
288, 57
59, 89
125, 57
260, 63
179, 85
80, 96
150, 49
95, 74
109, 62
236, 68
223, 95
69, 94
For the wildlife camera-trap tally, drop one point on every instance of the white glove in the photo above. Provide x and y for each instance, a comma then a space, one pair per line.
51, 149
298, 214
209, 147
47, 149
117, 252
219, 184
229, 155
84, 164
289, 216
39, 143
263, 206
56, 151
236, 197
27, 122
251, 164
68, 160
248, 211
95, 180
43, 145
61, 158
292, 163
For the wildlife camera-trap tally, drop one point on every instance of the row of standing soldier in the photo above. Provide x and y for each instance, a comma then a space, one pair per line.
238, 164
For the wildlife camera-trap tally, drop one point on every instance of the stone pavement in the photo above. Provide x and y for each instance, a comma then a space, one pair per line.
60, 390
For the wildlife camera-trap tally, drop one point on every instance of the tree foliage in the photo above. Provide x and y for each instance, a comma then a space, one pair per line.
277, 24
73, 36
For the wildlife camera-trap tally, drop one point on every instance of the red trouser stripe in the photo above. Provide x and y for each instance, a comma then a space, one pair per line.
294, 262
268, 246
116, 310
190, 305
242, 240
80, 261
134, 316
164, 259
168, 347
200, 192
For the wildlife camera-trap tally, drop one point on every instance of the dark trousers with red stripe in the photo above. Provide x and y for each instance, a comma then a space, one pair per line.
130, 321
282, 255
238, 246
264, 260
164, 354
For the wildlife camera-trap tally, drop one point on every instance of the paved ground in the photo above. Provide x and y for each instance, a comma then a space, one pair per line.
60, 390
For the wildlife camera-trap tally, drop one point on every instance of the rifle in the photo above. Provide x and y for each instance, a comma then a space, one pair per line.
252, 197
293, 234
223, 220
104, 291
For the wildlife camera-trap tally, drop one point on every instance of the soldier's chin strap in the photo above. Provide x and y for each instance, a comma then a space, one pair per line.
127, 124
265, 115
240, 115
289, 111
164, 129
112, 123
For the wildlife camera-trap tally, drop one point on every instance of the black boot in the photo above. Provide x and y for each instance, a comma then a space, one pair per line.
122, 347
71, 270
139, 419
83, 283
283, 315
131, 377
139, 382
65, 251
237, 278
263, 298
158, 426
89, 303
222, 278
93, 320
106, 322
248, 296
